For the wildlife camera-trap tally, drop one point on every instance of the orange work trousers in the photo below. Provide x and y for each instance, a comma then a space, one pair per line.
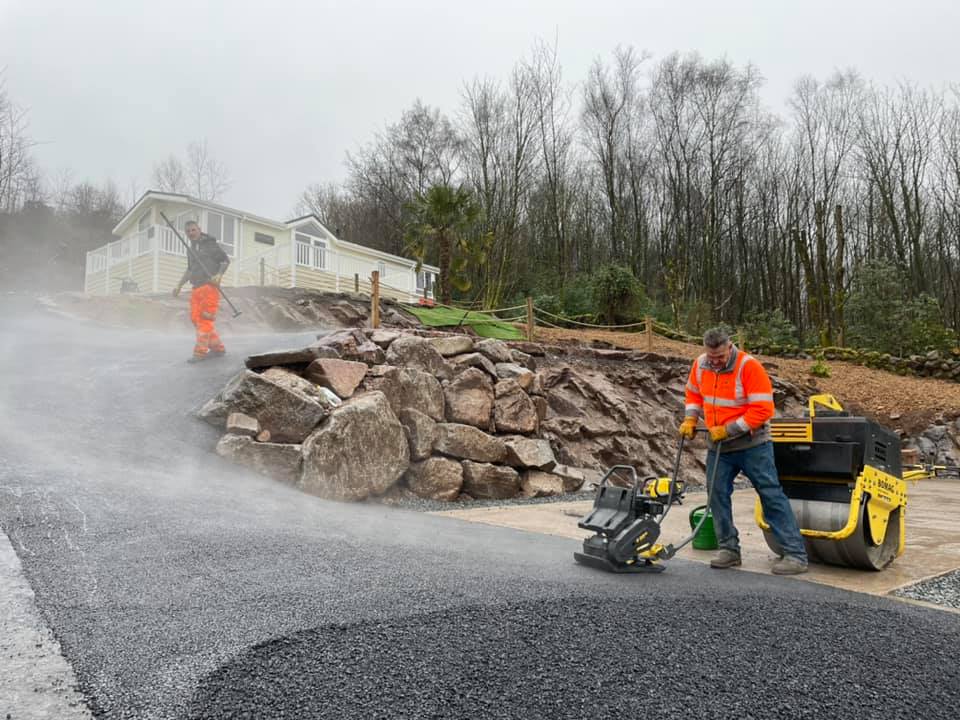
204, 301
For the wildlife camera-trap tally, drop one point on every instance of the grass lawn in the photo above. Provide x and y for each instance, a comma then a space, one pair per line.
483, 324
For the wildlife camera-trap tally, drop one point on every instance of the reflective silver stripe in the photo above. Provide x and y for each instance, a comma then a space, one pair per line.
759, 397
741, 423
693, 388
723, 402
693, 406
738, 383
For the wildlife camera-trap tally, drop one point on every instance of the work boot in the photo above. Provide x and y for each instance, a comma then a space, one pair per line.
216, 353
789, 565
196, 358
725, 559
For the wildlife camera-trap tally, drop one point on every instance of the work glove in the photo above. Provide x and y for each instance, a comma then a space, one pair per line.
718, 433
176, 290
688, 428
215, 280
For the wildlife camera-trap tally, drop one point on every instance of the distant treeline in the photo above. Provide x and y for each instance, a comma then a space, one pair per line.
721, 208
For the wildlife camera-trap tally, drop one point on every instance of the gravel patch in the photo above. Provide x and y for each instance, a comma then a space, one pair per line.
574, 658
943, 590
423, 505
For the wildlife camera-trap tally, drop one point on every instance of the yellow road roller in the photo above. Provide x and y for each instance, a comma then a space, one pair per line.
844, 479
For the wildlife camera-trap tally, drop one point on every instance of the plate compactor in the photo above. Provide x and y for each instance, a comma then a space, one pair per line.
842, 475
844, 479
626, 521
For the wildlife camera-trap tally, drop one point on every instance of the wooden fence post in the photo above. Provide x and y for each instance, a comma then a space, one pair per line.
530, 320
648, 329
375, 299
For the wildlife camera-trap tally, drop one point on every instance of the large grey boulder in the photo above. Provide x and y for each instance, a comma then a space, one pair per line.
382, 337
513, 410
276, 460
360, 450
535, 483
525, 452
496, 350
452, 345
573, 478
291, 381
416, 352
284, 409
299, 356
513, 371
408, 387
469, 399
436, 479
340, 376
421, 431
521, 358
240, 424
353, 345
490, 482
468, 442
459, 363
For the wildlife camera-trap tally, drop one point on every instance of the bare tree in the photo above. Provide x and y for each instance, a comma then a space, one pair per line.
552, 105
19, 177
208, 176
201, 174
498, 130
612, 110
169, 175
420, 151
826, 122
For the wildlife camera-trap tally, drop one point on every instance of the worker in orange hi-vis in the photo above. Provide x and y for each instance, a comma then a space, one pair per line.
206, 263
733, 394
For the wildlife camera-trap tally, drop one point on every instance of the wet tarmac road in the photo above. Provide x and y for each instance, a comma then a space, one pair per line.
181, 586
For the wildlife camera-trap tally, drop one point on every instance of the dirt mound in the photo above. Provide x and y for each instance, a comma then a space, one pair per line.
262, 309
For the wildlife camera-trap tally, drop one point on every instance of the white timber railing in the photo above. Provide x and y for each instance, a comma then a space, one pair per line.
273, 266
116, 258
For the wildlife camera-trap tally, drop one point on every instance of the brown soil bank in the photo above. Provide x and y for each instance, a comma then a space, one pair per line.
902, 403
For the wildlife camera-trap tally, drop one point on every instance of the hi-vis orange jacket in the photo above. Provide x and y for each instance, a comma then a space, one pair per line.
739, 397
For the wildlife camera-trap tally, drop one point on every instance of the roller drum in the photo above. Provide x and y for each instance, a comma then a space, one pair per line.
857, 550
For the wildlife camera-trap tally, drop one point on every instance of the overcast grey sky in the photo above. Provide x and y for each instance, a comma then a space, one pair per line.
282, 89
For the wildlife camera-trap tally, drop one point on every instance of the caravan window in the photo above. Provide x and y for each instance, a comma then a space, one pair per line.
223, 228
315, 253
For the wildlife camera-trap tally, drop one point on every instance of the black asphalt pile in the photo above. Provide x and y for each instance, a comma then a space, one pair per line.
742, 657
942, 590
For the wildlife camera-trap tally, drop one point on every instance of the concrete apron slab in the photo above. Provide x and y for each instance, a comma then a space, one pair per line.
932, 547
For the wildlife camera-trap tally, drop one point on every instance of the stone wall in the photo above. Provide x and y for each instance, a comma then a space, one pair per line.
442, 416
934, 364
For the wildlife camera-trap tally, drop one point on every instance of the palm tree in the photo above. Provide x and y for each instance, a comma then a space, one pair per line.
445, 220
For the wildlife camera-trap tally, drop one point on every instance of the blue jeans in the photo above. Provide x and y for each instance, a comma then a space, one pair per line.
758, 465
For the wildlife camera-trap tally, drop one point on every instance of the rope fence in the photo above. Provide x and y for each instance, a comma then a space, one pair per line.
538, 316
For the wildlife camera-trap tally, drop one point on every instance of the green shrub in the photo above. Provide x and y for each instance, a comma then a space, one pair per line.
922, 327
549, 303
820, 368
769, 328
881, 317
577, 297
618, 296
698, 318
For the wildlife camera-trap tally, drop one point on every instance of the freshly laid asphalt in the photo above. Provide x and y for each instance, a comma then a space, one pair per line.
181, 586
